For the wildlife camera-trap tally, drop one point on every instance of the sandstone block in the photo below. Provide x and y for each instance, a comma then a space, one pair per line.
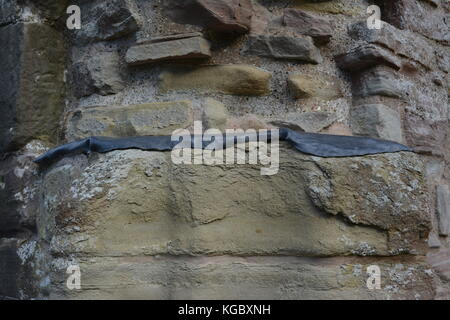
32, 82
148, 206
227, 79
99, 74
377, 121
216, 15
377, 82
184, 49
159, 118
308, 24
365, 57
287, 47
426, 136
305, 121
326, 88
402, 42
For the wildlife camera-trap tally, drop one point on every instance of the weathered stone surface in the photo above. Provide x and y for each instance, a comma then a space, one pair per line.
373, 191
377, 121
216, 15
159, 118
150, 206
8, 11
99, 74
377, 82
426, 136
402, 42
287, 47
31, 98
303, 86
252, 277
305, 121
440, 262
367, 56
107, 20
185, 49
443, 209
19, 191
228, 79
417, 16
215, 114
16, 277
308, 24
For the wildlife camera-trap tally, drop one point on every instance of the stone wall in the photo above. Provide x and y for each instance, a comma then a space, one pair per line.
141, 227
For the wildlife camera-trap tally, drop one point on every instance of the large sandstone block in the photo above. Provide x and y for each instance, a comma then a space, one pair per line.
32, 82
227, 79
378, 81
308, 24
376, 121
178, 49
159, 118
284, 47
131, 203
216, 15
243, 278
322, 87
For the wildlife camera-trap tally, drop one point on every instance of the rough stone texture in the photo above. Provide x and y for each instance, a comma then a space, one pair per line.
365, 57
402, 42
228, 79
216, 15
417, 16
186, 49
326, 88
425, 135
107, 20
160, 118
365, 203
443, 209
299, 48
305, 121
377, 81
255, 278
31, 99
216, 114
19, 189
308, 24
140, 226
377, 121
97, 74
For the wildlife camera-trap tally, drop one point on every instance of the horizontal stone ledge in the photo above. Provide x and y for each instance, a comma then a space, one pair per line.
158, 118
189, 48
365, 57
147, 205
226, 277
226, 79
